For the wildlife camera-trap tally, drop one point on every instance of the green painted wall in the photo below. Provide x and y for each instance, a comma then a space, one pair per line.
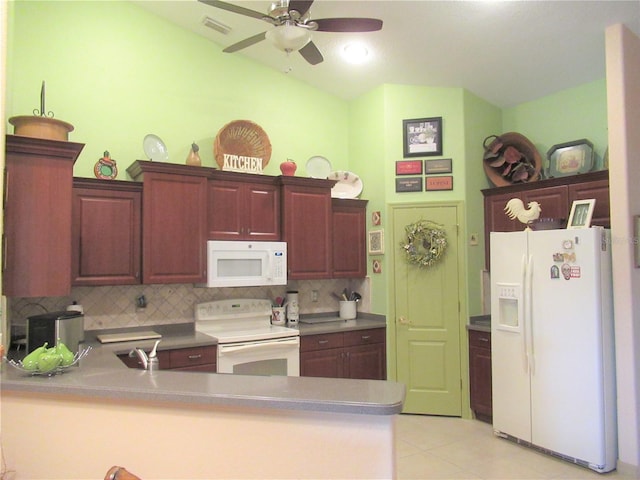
572, 114
407, 102
480, 120
117, 73
366, 156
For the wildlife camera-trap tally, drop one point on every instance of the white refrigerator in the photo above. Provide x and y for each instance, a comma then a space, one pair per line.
553, 374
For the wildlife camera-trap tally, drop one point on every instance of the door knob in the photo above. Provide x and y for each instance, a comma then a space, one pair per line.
404, 321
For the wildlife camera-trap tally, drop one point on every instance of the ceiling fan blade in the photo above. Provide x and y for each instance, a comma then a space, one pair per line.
348, 24
311, 53
300, 6
234, 8
247, 42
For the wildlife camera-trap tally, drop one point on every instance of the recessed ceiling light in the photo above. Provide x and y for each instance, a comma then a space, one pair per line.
355, 53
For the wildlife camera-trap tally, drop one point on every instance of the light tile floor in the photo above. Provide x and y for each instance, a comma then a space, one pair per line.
429, 447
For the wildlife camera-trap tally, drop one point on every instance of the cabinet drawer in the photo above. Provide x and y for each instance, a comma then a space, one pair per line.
186, 357
320, 342
364, 337
479, 339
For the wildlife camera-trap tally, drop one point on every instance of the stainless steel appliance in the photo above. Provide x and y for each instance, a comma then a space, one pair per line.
246, 264
247, 341
68, 326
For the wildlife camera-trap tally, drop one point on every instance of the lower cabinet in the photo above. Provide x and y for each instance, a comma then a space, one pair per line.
480, 374
190, 359
354, 354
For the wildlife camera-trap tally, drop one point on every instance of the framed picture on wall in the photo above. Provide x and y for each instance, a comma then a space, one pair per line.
376, 242
422, 137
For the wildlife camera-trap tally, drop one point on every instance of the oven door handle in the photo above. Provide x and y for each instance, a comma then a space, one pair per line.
223, 349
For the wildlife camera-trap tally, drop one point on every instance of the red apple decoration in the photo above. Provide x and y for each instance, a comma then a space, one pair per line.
288, 168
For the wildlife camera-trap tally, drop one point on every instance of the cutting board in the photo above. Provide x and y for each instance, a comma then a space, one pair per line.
128, 336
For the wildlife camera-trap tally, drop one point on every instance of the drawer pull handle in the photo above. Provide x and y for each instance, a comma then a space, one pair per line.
195, 357
366, 337
322, 342
483, 339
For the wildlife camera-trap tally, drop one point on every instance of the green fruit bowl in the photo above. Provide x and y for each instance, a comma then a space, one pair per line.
54, 371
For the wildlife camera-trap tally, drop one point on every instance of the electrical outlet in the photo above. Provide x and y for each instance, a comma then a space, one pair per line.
473, 239
314, 295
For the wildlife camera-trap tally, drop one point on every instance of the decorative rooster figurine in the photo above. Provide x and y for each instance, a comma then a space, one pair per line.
515, 209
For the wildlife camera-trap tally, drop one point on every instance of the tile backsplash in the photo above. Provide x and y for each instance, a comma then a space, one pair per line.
116, 306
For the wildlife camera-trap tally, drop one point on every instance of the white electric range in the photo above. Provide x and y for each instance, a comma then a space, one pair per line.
247, 342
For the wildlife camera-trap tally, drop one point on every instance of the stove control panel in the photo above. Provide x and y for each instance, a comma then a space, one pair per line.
234, 308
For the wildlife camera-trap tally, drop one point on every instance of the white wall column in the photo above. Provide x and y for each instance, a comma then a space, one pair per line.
623, 111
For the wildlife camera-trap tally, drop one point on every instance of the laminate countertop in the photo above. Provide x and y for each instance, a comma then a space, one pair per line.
102, 374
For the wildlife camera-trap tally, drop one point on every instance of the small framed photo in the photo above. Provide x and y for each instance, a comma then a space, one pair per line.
422, 137
581, 213
376, 242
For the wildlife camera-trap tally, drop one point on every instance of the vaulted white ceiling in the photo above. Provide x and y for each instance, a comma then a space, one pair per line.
506, 52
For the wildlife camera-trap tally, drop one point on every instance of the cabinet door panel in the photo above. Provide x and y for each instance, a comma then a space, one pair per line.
225, 201
263, 213
307, 231
322, 363
37, 222
480, 380
174, 228
367, 361
552, 200
349, 254
106, 237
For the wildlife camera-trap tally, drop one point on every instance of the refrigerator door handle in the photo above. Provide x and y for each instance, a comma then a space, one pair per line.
522, 312
529, 316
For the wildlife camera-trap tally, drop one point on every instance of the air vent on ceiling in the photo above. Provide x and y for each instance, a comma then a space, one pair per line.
216, 25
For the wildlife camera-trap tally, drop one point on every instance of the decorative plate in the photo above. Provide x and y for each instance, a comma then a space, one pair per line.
318, 167
155, 149
243, 142
348, 184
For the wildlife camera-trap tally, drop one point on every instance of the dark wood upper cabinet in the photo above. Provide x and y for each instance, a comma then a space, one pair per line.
555, 196
106, 232
307, 227
243, 207
37, 216
349, 238
174, 221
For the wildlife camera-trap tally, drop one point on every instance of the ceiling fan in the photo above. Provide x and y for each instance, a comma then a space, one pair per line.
293, 26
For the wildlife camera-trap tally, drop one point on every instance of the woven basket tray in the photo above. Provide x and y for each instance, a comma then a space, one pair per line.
243, 138
523, 145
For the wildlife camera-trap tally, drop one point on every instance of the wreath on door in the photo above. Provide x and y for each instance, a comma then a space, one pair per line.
426, 243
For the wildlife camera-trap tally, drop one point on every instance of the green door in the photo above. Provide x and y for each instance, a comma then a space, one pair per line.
427, 317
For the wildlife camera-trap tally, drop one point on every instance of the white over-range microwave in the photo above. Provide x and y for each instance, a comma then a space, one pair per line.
246, 264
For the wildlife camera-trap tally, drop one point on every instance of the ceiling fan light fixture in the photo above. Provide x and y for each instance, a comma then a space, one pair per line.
355, 53
288, 37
